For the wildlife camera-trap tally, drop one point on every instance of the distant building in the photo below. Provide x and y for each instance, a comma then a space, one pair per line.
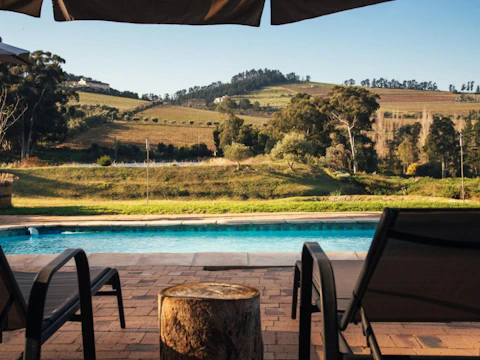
93, 84
220, 99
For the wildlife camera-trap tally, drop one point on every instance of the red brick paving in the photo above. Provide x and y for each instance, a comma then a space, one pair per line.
139, 340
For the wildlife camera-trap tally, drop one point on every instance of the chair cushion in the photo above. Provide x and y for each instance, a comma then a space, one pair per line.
63, 289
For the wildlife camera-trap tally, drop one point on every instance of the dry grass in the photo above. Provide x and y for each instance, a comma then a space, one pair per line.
136, 133
120, 103
402, 100
181, 113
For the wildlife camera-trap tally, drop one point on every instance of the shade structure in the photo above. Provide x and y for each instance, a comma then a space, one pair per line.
13, 55
289, 11
188, 12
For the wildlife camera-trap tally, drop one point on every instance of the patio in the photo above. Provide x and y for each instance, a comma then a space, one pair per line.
141, 284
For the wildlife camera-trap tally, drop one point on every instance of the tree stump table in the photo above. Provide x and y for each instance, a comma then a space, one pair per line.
210, 321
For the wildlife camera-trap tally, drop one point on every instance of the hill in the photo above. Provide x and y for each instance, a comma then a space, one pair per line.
121, 103
133, 133
404, 101
181, 113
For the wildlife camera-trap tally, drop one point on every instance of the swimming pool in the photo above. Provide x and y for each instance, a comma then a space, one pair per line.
191, 238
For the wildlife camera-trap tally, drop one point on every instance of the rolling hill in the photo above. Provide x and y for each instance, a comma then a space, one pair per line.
401, 100
121, 103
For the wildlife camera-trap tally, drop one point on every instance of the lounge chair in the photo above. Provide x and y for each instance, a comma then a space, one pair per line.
422, 266
41, 303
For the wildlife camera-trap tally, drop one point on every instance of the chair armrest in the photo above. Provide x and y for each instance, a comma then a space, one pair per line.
313, 254
38, 294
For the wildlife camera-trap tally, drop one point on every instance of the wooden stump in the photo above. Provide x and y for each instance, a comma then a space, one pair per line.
5, 197
210, 321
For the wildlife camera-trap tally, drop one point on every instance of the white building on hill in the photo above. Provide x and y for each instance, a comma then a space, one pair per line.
220, 99
93, 84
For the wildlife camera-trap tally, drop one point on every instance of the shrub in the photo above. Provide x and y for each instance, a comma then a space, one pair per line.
155, 120
209, 123
412, 169
31, 162
7, 179
136, 119
145, 119
237, 152
173, 122
433, 170
191, 122
104, 160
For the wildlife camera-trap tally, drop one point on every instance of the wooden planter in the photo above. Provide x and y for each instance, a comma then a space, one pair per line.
5, 197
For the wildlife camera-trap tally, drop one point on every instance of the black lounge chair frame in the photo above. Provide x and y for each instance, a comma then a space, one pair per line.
31, 316
314, 276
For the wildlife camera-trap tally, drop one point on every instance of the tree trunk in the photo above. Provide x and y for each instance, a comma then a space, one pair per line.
354, 153
443, 168
210, 321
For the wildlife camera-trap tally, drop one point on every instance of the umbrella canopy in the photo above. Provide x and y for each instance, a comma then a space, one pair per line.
188, 12
14, 55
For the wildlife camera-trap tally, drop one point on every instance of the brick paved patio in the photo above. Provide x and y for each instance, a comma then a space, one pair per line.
139, 340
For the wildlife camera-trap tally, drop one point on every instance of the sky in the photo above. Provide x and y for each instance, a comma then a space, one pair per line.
426, 40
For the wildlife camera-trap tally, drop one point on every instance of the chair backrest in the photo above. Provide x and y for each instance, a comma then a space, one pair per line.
422, 266
12, 304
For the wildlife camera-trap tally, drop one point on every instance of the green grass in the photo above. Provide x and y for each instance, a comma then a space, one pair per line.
259, 181
72, 208
118, 102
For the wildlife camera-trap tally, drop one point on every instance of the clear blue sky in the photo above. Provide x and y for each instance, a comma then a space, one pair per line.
434, 40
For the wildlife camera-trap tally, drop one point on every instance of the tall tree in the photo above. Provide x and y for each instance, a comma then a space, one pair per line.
352, 109
302, 115
442, 144
41, 93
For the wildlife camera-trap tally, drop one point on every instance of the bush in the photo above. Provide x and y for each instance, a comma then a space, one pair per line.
412, 169
104, 160
209, 123
31, 162
155, 120
433, 170
136, 119
145, 119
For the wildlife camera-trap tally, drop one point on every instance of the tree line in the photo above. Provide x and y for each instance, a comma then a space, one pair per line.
336, 132
469, 87
241, 83
383, 83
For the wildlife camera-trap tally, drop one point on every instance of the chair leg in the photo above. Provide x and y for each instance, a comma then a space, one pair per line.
118, 289
296, 285
88, 334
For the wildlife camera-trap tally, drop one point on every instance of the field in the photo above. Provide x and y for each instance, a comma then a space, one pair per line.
181, 113
135, 133
218, 189
120, 103
407, 101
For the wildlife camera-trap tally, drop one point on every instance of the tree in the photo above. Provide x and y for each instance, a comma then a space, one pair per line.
40, 91
407, 153
244, 104
302, 115
441, 143
307, 78
9, 113
227, 106
237, 152
292, 148
351, 108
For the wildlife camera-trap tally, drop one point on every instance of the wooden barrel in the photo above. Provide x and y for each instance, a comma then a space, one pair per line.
210, 321
5, 197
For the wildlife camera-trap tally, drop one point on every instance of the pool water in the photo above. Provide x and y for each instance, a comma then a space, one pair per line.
191, 239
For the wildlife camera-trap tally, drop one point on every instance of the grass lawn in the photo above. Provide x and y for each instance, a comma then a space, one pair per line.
65, 207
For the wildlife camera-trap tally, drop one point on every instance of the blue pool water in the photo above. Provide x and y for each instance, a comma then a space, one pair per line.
190, 239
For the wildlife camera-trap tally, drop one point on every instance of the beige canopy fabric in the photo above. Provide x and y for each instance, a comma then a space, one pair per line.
188, 12
289, 11
191, 12
28, 7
